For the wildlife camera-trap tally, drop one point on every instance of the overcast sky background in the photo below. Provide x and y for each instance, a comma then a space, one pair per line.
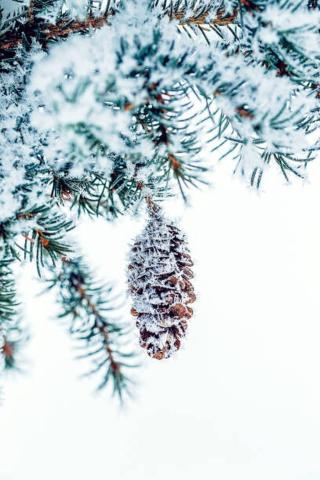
240, 401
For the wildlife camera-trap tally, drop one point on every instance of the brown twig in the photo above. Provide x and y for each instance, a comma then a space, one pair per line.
203, 19
61, 29
64, 28
30, 12
7, 349
101, 328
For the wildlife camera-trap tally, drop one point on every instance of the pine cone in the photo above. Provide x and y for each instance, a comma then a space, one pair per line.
159, 276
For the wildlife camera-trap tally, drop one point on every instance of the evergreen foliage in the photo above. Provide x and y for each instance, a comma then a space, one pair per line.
107, 103
88, 308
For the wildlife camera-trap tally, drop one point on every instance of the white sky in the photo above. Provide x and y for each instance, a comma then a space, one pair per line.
241, 401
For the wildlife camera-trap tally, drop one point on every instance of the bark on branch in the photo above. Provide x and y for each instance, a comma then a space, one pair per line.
65, 28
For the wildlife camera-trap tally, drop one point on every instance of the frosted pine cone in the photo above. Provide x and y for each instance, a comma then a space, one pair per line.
160, 283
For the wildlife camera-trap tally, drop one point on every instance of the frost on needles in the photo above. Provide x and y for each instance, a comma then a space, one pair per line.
107, 103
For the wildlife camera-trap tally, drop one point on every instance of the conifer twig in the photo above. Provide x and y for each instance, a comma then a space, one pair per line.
202, 19
59, 30
85, 304
65, 28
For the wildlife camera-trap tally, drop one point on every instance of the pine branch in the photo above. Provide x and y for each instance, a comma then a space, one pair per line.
313, 4
203, 18
64, 28
95, 195
13, 341
46, 240
89, 308
164, 119
8, 301
12, 335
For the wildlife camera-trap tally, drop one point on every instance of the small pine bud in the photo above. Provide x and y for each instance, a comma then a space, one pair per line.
159, 276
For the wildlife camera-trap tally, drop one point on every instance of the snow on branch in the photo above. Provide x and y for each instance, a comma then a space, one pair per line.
105, 104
